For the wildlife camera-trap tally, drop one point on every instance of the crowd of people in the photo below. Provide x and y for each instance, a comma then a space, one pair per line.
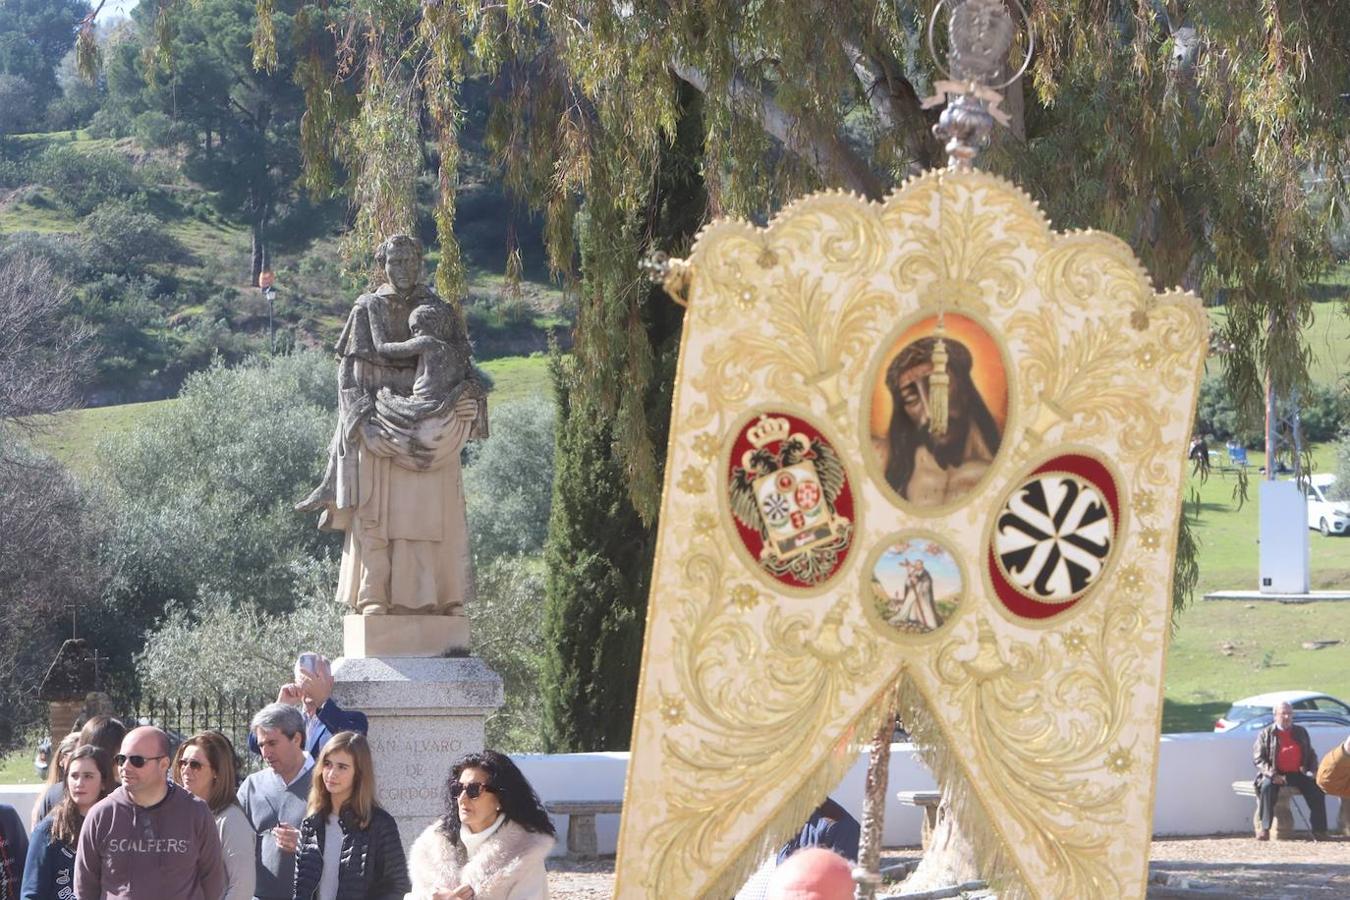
129, 816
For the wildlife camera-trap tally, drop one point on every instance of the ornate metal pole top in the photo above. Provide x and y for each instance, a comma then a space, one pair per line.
979, 35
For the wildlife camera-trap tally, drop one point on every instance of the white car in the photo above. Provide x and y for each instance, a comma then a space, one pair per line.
1263, 704
1327, 516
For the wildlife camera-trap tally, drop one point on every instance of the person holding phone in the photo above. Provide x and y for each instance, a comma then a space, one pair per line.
492, 841
312, 692
274, 799
349, 846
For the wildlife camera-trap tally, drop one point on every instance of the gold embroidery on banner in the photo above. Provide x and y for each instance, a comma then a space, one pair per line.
750, 733
967, 251
1042, 769
749, 690
810, 345
850, 236
1092, 269
1080, 380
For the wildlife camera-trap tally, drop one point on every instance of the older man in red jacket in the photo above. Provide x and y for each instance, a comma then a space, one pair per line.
1284, 755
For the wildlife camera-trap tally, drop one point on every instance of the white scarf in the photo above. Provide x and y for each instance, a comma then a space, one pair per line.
473, 841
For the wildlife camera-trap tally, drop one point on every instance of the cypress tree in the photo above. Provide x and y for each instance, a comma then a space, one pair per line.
600, 545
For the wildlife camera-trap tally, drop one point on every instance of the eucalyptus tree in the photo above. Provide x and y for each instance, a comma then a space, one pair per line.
1187, 128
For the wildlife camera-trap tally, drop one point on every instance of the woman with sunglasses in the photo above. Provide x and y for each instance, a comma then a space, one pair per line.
205, 765
49, 872
492, 841
349, 847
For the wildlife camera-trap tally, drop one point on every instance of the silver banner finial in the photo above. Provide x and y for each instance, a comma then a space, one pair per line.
980, 33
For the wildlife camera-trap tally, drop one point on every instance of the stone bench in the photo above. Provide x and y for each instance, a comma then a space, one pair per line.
928, 801
581, 841
1282, 827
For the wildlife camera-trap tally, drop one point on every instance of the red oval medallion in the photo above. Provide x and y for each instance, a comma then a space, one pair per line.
1054, 536
791, 500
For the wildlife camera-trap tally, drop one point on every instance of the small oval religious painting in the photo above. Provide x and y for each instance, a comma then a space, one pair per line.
916, 585
1054, 535
939, 409
790, 497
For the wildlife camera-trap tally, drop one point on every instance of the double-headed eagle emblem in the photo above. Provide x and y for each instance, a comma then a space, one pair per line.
786, 489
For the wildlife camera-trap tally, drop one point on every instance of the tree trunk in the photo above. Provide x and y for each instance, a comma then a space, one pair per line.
259, 252
949, 858
868, 875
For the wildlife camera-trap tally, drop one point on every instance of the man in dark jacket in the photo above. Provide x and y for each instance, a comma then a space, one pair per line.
312, 691
831, 827
1284, 755
13, 852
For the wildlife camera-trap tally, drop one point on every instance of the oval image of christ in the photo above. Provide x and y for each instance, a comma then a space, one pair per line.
926, 466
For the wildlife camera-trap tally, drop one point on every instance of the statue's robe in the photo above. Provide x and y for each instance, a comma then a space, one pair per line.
398, 490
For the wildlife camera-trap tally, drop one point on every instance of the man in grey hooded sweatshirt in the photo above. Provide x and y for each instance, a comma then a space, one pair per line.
150, 839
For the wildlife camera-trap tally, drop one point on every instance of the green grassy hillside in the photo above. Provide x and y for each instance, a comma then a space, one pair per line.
194, 300
1223, 650
73, 437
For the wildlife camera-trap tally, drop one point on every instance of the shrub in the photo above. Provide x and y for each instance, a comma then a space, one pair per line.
111, 121
156, 129
200, 494
1323, 412
507, 634
62, 252
122, 237
1342, 490
508, 480
49, 532
82, 180
219, 643
18, 104
13, 173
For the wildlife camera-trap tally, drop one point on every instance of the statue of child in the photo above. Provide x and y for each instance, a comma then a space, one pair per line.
443, 371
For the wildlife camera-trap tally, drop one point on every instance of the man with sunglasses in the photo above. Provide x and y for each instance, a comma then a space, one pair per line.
150, 839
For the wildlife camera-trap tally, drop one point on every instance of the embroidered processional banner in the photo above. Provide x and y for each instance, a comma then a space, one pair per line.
925, 452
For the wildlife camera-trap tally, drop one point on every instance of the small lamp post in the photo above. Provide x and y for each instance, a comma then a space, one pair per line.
266, 282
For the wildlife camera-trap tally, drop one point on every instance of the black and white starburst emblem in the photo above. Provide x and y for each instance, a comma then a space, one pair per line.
1053, 536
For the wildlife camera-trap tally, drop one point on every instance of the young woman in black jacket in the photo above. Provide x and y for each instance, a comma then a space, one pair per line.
349, 847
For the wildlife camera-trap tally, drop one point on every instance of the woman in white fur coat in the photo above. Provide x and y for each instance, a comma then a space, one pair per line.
492, 841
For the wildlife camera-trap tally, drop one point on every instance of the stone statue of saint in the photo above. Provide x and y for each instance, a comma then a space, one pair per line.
408, 401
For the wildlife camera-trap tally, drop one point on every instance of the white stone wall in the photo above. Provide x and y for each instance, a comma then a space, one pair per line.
1194, 794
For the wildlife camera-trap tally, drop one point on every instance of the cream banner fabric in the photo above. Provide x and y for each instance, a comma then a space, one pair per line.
928, 452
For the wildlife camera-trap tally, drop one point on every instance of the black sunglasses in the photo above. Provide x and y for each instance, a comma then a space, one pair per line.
193, 764
473, 789
136, 761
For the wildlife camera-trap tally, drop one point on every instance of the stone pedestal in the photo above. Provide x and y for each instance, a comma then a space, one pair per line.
425, 713
404, 636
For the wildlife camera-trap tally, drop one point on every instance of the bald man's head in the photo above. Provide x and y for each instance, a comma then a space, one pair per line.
812, 874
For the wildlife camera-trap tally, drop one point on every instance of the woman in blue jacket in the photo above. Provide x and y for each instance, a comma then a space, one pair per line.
49, 873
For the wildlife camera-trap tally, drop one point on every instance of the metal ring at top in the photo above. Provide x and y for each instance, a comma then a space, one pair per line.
1026, 61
